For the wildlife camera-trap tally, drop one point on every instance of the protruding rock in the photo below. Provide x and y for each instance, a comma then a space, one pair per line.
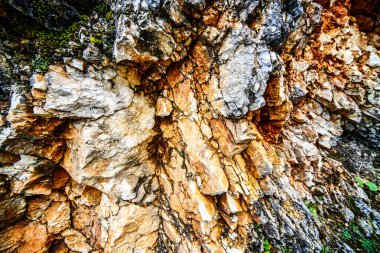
163, 107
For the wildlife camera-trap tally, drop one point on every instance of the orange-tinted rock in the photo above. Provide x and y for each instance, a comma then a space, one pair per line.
25, 237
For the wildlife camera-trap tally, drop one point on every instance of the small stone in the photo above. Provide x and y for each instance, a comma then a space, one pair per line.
365, 227
38, 82
163, 107
374, 60
76, 241
58, 217
75, 63
11, 210
230, 205
348, 215
24, 237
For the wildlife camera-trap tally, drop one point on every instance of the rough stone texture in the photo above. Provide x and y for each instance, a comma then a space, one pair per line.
213, 126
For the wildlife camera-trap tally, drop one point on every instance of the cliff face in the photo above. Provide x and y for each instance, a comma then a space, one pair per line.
190, 126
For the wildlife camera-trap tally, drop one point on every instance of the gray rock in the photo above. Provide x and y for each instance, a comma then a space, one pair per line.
348, 215
245, 67
140, 36
365, 227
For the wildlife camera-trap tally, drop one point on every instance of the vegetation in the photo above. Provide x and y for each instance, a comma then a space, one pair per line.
371, 186
267, 247
40, 64
312, 208
326, 249
352, 235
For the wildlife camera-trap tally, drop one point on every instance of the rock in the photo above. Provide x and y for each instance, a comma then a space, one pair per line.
76, 63
133, 228
171, 232
211, 126
58, 217
163, 107
202, 158
11, 210
225, 139
76, 241
374, 60
83, 97
243, 76
124, 136
258, 157
38, 82
54, 15
144, 40
365, 227
348, 215
24, 237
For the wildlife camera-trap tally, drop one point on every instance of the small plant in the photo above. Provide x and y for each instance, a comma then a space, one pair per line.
346, 235
101, 8
312, 208
108, 16
40, 64
369, 246
326, 249
371, 186
95, 40
267, 247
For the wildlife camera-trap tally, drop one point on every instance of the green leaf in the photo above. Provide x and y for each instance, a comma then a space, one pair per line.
372, 186
360, 181
267, 246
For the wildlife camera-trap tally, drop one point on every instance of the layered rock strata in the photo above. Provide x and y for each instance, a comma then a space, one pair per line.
214, 126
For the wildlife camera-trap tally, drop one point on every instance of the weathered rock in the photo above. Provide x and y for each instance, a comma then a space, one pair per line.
124, 136
217, 126
133, 228
68, 97
24, 237
145, 40
11, 210
243, 76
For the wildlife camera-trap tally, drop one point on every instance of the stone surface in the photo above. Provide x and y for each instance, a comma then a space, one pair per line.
69, 97
124, 136
190, 126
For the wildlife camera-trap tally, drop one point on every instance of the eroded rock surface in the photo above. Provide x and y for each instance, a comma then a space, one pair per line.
212, 126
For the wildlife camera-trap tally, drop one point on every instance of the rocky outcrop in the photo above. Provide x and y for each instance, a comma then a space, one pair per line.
212, 126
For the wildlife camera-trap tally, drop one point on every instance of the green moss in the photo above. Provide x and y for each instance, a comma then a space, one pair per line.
370, 246
42, 10
326, 249
50, 41
108, 16
102, 8
95, 40
345, 234
40, 64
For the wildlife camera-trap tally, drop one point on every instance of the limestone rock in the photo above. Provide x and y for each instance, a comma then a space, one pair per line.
144, 40
189, 126
124, 136
163, 107
83, 98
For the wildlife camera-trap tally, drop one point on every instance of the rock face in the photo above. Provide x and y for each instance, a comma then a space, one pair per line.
212, 126
53, 15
